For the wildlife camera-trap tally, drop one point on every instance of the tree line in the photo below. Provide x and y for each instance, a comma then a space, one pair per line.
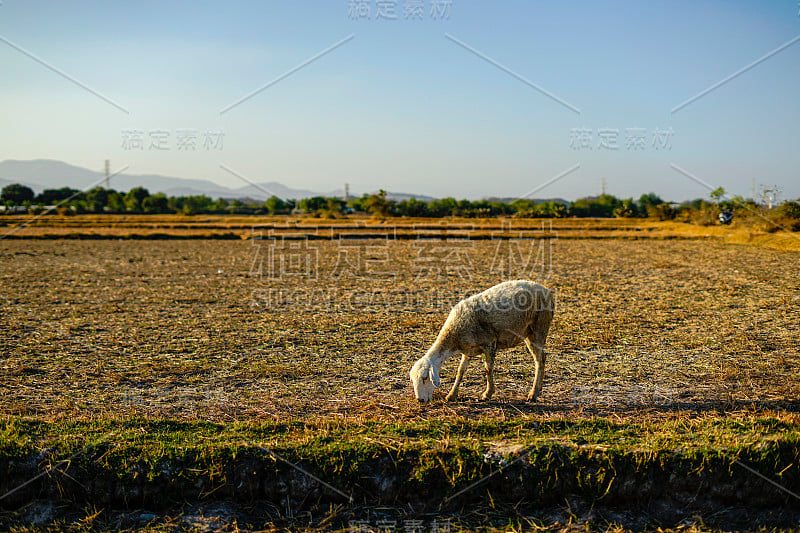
139, 200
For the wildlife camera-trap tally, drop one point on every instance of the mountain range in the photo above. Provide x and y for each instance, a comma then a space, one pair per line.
40, 174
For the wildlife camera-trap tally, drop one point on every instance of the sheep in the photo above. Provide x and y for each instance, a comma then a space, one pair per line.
500, 317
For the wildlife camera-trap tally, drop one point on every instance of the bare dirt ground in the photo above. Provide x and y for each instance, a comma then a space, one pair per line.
222, 330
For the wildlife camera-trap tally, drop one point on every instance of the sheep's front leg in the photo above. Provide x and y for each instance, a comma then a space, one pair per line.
462, 368
488, 361
537, 351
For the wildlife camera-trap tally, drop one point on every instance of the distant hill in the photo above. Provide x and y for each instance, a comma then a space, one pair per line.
43, 174
397, 196
40, 174
509, 199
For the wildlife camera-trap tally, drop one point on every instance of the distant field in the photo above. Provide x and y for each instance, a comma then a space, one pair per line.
673, 346
223, 226
232, 227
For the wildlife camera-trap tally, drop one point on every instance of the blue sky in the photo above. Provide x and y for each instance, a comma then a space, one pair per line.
401, 106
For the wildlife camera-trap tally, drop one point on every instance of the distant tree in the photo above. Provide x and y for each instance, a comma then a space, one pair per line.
219, 205
580, 207
717, 194
155, 204
413, 208
134, 198
789, 209
378, 204
313, 204
275, 205
175, 203
55, 196
626, 209
443, 207
233, 206
191, 205
116, 202
650, 198
500, 208
601, 206
16, 194
334, 205
357, 204
96, 199
523, 205
551, 209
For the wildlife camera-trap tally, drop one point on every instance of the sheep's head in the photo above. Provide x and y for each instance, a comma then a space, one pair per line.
424, 378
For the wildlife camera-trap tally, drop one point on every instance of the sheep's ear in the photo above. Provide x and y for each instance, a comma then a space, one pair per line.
434, 375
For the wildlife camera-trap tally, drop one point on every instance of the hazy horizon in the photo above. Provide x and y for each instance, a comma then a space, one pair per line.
256, 191
463, 99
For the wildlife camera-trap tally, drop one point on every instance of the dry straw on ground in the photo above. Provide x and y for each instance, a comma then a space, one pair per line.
189, 329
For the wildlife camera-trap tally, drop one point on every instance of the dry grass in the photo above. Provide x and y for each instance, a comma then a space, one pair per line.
242, 227
180, 329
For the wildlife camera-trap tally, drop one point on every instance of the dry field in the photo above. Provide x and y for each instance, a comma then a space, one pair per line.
192, 329
689, 335
233, 227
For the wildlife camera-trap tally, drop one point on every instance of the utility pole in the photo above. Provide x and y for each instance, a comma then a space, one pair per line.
602, 186
753, 189
108, 174
346, 192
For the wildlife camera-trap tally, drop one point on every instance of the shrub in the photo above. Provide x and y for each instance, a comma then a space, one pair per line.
661, 211
707, 215
627, 209
789, 209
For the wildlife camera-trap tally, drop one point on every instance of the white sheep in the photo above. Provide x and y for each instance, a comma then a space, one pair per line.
499, 317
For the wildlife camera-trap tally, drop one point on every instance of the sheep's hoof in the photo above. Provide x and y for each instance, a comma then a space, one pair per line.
531, 397
450, 397
485, 396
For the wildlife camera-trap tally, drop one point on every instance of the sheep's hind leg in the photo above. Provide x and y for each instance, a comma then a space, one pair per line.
462, 368
537, 351
488, 361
